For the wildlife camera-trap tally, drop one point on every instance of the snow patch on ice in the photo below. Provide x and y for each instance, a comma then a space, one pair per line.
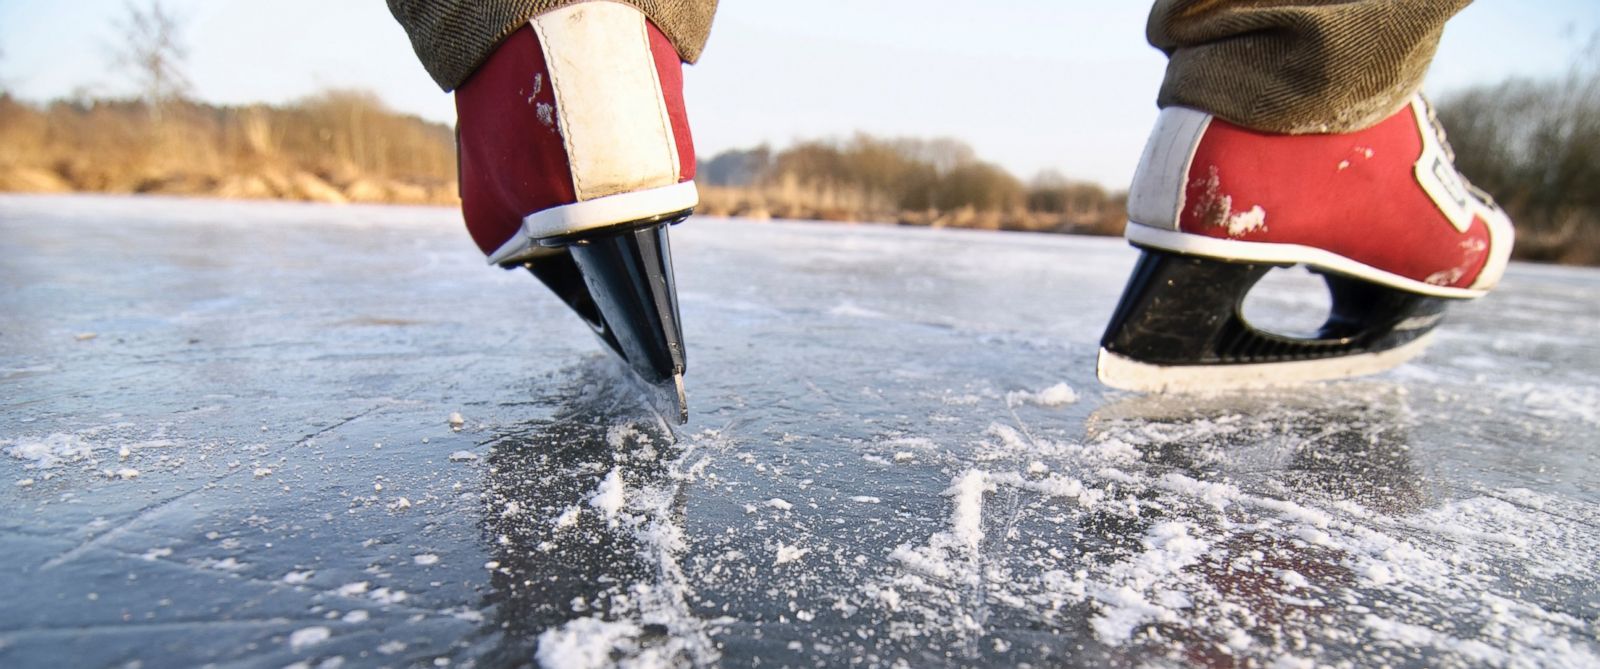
1169, 549
641, 513
953, 554
306, 637
228, 564
787, 554
908, 443
352, 589
388, 596
88, 448
851, 310
1263, 569
609, 497
587, 643
568, 517
1560, 402
1057, 395
49, 451
966, 519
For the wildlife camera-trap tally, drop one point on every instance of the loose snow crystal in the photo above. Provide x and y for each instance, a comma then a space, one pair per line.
787, 554
568, 518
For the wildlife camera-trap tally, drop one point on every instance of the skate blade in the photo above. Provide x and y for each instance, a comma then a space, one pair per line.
1181, 327
1125, 373
623, 287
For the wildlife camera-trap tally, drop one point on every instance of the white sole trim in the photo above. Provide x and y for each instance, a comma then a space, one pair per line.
595, 214
1128, 374
1288, 254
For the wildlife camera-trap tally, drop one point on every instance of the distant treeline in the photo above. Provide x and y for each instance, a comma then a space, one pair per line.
339, 146
938, 183
1535, 145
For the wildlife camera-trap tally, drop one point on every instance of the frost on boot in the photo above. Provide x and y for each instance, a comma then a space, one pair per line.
575, 156
1380, 213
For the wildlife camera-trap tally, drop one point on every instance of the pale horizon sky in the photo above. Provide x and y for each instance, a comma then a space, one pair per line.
1067, 85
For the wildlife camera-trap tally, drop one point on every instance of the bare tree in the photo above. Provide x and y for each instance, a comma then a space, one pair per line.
153, 53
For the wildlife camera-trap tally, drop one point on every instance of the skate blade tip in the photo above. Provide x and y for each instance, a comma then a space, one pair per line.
666, 398
1125, 373
683, 399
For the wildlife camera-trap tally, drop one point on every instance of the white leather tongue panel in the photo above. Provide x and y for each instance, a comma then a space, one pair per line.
613, 118
1437, 174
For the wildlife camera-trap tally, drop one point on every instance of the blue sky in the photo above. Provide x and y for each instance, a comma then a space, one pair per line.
1031, 84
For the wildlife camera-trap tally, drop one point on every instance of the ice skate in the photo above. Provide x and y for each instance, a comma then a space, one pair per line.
1380, 213
575, 158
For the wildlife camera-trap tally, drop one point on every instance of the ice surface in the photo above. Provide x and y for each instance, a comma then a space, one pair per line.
897, 456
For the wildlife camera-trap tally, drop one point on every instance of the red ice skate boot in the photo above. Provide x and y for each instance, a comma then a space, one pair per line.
575, 157
1380, 213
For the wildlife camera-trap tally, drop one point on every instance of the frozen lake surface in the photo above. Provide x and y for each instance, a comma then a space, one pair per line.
227, 438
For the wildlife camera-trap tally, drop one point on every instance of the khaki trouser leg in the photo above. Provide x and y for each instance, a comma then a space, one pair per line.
1297, 66
453, 36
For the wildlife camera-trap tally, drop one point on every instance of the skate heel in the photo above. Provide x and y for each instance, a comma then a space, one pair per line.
1181, 326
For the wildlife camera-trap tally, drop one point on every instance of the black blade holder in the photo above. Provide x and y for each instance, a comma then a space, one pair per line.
1180, 310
